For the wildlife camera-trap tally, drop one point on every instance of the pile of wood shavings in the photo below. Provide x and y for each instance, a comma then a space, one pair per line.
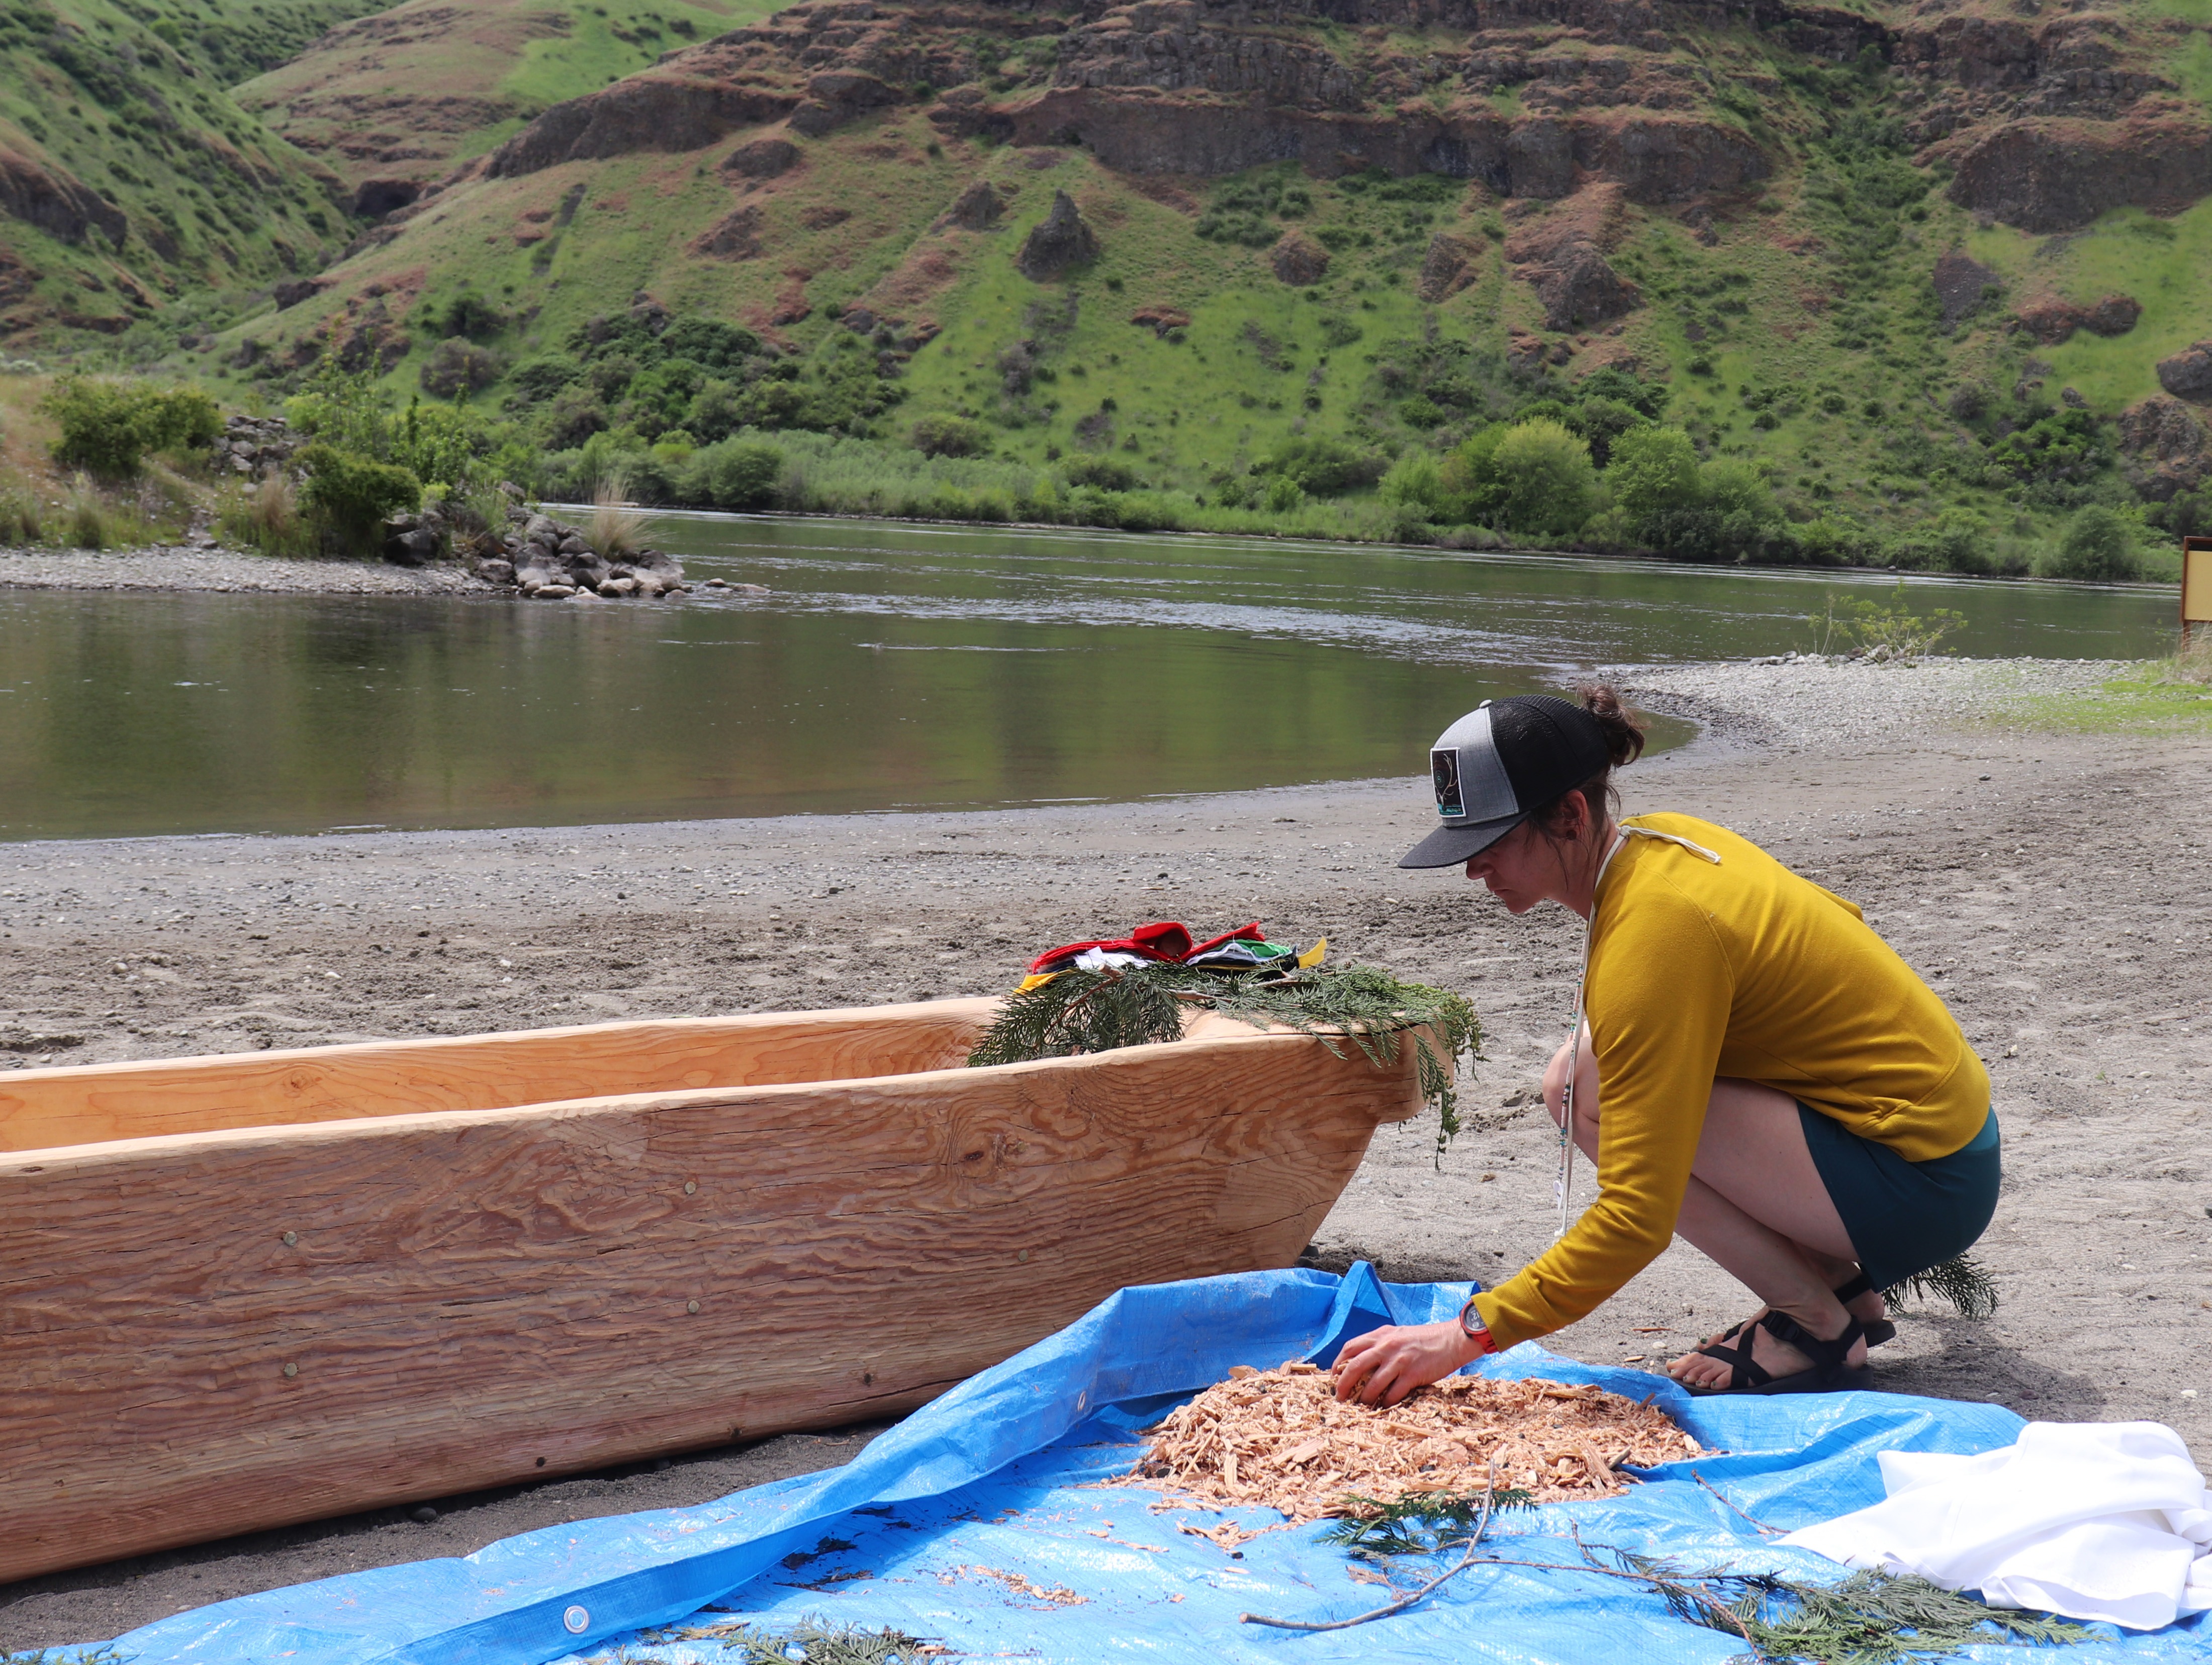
1281, 1439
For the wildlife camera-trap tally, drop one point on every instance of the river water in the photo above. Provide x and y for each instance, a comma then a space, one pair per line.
893, 666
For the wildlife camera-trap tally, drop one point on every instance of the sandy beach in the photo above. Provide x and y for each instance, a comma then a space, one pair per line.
2052, 886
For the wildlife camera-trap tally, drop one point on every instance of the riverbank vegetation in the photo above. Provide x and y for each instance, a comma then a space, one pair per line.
700, 414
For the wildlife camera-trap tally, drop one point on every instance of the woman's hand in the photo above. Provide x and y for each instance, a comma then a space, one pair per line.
1383, 1366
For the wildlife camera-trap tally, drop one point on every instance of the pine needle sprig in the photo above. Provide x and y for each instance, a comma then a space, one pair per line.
1087, 1011
1964, 1281
810, 1643
1873, 1617
1419, 1522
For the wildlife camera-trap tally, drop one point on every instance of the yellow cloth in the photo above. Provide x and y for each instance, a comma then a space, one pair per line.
1740, 969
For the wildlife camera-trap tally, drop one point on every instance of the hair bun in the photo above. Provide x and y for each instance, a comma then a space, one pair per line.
1623, 735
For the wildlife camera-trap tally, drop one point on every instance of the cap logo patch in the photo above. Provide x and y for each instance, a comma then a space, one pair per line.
1443, 768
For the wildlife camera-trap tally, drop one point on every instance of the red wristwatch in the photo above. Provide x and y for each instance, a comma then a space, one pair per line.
1471, 1326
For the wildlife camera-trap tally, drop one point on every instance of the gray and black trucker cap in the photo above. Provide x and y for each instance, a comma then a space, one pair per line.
1499, 765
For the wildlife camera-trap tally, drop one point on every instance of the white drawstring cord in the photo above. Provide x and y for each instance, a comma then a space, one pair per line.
1563, 1183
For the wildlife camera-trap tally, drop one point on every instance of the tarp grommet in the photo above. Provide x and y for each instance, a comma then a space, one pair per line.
574, 1619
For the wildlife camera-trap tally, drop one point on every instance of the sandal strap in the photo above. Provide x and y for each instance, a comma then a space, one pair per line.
1829, 1357
1744, 1371
1859, 1285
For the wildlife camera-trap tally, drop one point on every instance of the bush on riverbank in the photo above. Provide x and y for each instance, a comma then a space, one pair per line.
348, 495
108, 427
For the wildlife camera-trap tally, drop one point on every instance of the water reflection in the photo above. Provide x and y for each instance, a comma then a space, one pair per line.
893, 667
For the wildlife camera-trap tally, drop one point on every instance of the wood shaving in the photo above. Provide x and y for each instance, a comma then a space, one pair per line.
1281, 1439
1058, 1595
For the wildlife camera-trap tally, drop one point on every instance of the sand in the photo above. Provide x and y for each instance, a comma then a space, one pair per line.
2053, 887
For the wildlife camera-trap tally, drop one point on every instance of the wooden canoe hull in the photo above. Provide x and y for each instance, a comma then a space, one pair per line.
346, 1277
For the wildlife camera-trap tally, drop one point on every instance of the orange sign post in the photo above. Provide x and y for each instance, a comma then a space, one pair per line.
2196, 584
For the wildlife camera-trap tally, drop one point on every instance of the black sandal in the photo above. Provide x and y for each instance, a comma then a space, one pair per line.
1831, 1372
1878, 1330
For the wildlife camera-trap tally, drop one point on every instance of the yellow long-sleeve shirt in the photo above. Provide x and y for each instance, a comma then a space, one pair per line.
1742, 969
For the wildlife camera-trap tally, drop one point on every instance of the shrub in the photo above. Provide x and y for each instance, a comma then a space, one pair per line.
1653, 470
469, 315
1544, 477
576, 414
718, 409
1603, 422
1284, 493
947, 436
1735, 485
459, 366
2098, 547
108, 427
1107, 473
1415, 482
536, 379
1324, 467
738, 474
1470, 480
348, 495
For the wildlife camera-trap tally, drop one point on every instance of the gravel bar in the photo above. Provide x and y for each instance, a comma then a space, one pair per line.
1805, 704
188, 567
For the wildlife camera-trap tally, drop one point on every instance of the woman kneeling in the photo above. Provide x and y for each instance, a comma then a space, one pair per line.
1756, 1069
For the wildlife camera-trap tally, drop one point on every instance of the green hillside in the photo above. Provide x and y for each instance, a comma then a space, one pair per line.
133, 183
1900, 285
407, 93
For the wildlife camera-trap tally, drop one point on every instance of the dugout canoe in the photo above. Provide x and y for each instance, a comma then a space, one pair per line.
245, 1291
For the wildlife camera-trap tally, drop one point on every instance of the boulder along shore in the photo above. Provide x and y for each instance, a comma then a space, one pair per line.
2052, 886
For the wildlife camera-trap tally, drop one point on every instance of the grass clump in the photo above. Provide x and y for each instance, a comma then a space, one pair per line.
266, 515
617, 528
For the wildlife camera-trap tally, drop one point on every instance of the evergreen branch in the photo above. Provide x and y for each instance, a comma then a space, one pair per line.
1372, 1527
817, 1645
1964, 1281
1490, 1495
1087, 1011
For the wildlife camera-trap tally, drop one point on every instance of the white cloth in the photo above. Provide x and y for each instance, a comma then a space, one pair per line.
2094, 1520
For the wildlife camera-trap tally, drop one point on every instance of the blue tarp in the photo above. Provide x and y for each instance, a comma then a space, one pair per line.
981, 1522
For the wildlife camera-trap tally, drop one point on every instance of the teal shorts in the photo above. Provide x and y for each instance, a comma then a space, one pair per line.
1904, 1217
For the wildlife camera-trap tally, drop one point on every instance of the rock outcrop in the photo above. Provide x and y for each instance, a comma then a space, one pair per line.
1563, 257
2051, 320
2046, 176
1962, 285
1059, 243
2188, 374
57, 204
976, 208
1298, 260
549, 559
736, 236
647, 112
250, 446
2164, 448
762, 159
1451, 263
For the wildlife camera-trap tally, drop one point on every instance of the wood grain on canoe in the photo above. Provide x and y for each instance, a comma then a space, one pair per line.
42, 1108
478, 1296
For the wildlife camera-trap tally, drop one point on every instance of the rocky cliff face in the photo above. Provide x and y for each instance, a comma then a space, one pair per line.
2047, 120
